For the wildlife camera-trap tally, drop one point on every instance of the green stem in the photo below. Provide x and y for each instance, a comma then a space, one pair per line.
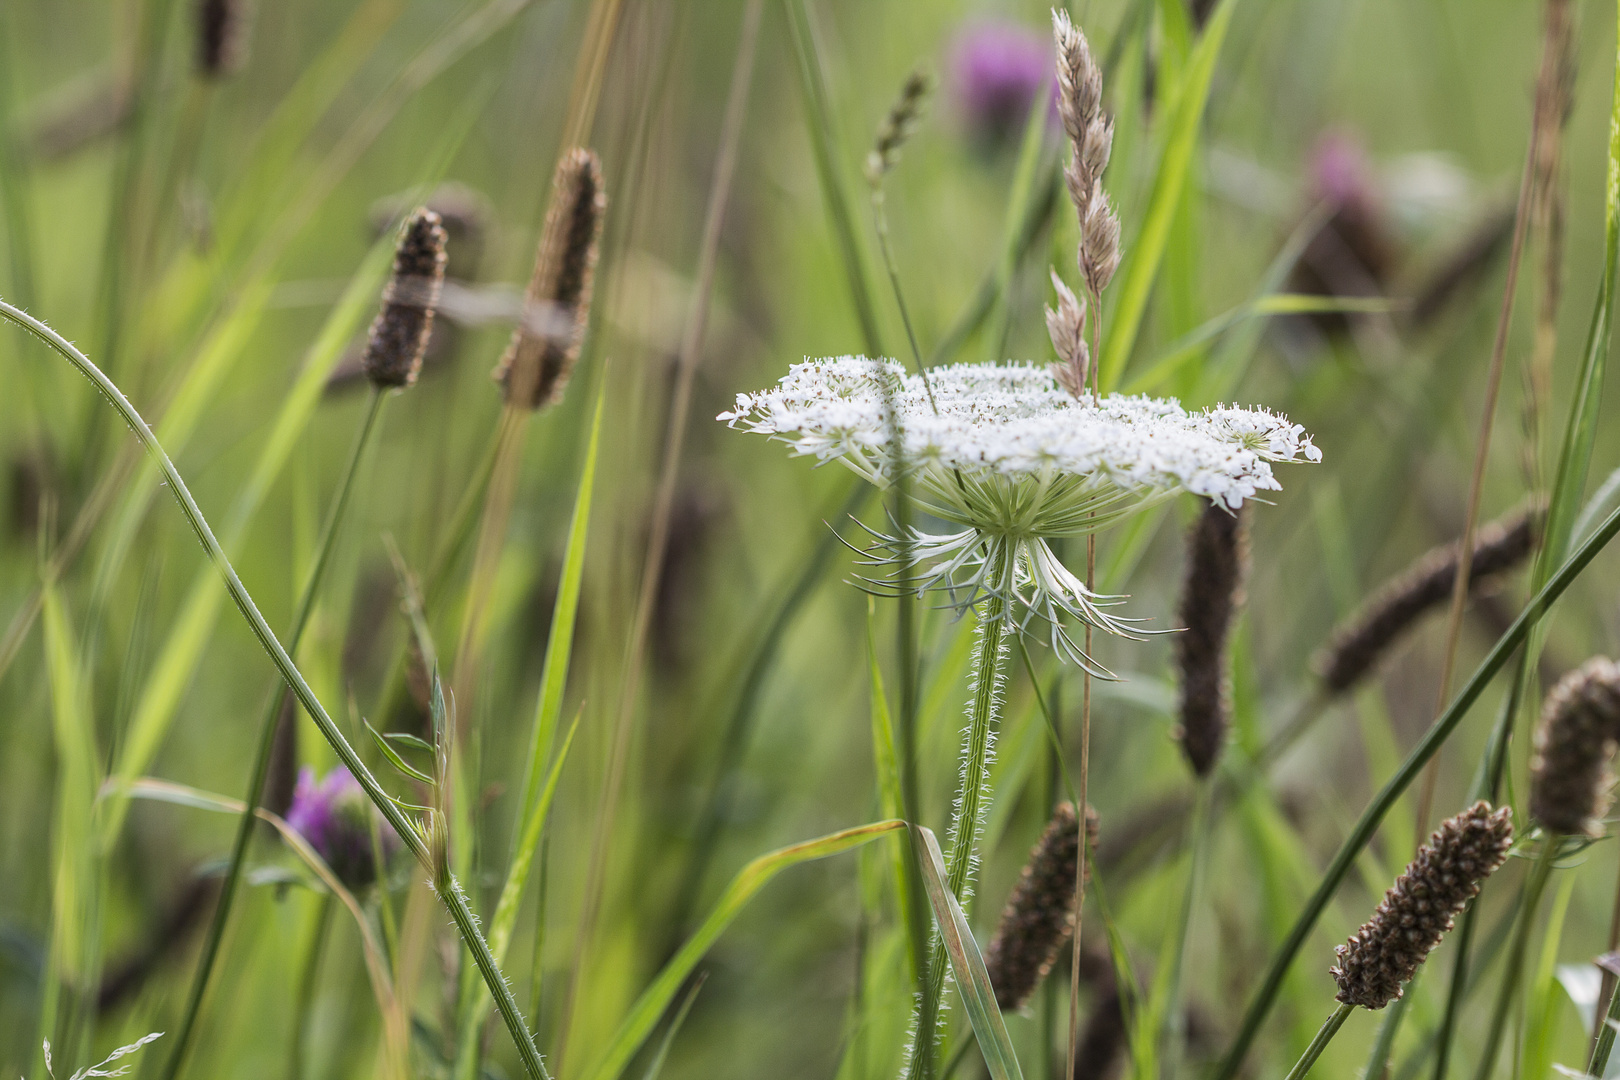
1201, 831
1605, 1042
1370, 819
1318, 1044
409, 832
307, 981
1508, 988
267, 739
988, 675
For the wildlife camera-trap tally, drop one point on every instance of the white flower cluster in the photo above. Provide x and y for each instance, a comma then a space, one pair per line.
1012, 421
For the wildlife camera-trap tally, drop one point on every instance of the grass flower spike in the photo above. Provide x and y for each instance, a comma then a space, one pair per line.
1040, 912
399, 336
1217, 562
1014, 461
1569, 777
1419, 908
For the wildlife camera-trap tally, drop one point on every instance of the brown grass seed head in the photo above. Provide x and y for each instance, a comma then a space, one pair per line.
222, 29
899, 125
1358, 643
400, 332
1212, 592
1422, 905
545, 346
1040, 911
1569, 775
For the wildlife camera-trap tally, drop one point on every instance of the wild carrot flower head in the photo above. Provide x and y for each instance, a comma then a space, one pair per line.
336, 819
1003, 453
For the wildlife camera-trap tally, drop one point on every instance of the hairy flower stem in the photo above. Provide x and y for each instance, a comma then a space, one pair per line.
1324, 1036
1507, 991
409, 832
988, 675
267, 738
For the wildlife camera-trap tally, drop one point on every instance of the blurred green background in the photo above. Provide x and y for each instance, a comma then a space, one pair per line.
142, 232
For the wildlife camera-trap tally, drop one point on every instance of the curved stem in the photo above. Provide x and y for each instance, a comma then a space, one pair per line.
1318, 1044
1361, 834
409, 832
267, 738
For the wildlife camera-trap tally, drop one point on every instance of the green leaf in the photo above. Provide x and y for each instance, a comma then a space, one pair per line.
1183, 116
644, 1014
656, 1066
393, 756
409, 741
978, 996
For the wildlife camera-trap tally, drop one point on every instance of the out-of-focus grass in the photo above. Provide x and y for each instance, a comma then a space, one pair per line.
243, 246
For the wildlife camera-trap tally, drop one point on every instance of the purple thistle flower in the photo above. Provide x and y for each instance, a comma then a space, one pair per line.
334, 817
997, 68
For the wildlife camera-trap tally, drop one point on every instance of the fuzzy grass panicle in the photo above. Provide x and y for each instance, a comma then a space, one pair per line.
1422, 904
1357, 644
1040, 910
1580, 723
545, 346
899, 124
1217, 563
399, 336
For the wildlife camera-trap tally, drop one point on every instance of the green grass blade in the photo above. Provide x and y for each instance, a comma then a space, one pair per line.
475, 1005
1367, 825
1544, 991
559, 646
645, 1013
1575, 453
448, 888
656, 1066
1144, 257
73, 892
183, 650
823, 143
978, 996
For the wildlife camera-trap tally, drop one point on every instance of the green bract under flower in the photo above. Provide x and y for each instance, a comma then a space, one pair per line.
1003, 452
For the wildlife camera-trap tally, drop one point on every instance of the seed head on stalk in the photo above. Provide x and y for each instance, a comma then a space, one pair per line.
1580, 723
1420, 907
399, 335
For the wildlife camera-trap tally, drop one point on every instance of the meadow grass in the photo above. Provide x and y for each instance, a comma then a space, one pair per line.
576, 734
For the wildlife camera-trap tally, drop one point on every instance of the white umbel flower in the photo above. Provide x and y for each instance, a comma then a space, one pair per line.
1013, 460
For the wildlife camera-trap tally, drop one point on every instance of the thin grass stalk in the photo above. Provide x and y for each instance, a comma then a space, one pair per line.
1172, 1024
1599, 1064
987, 676
410, 834
1367, 825
1487, 785
1324, 1036
1507, 991
763, 644
813, 95
308, 982
664, 499
267, 737
1546, 90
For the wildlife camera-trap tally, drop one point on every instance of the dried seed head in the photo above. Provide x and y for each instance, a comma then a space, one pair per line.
1066, 325
222, 27
899, 125
1040, 912
546, 343
1580, 723
1099, 242
463, 211
1079, 79
1359, 642
400, 332
1420, 906
1095, 147
1217, 560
